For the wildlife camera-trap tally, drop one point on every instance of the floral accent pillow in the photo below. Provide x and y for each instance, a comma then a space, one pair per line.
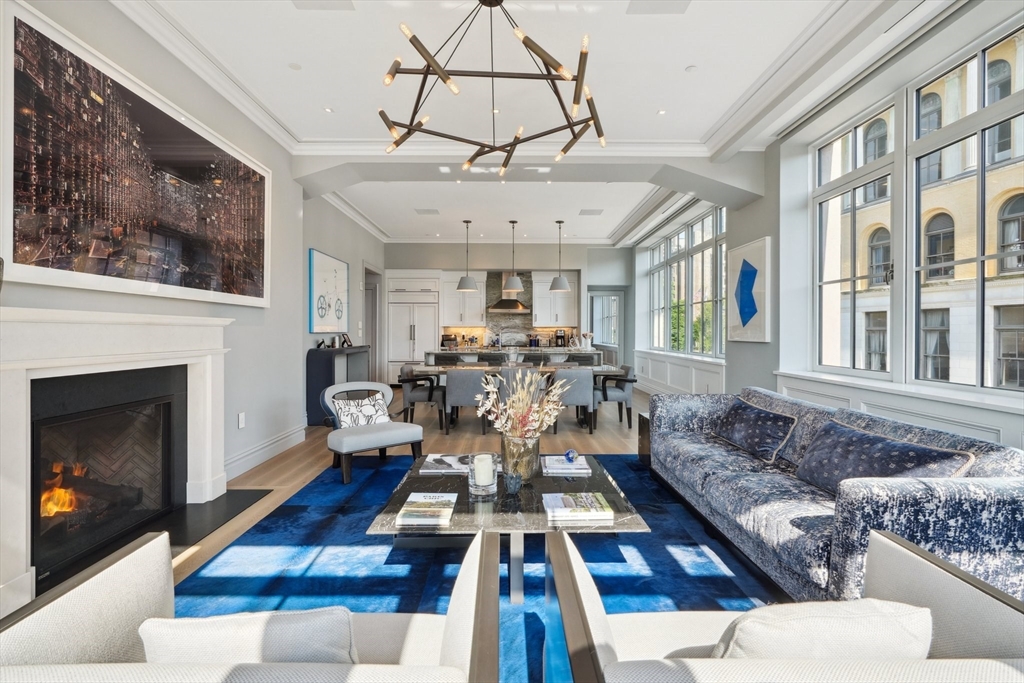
840, 452
757, 431
363, 411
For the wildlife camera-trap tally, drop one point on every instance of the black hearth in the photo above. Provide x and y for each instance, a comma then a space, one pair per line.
108, 457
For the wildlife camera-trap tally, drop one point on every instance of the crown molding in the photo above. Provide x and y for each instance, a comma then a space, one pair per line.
169, 33
361, 219
639, 216
535, 150
579, 242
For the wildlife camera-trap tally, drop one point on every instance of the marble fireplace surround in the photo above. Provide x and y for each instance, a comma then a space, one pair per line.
37, 343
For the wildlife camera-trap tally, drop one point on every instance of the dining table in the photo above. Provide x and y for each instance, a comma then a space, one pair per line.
441, 370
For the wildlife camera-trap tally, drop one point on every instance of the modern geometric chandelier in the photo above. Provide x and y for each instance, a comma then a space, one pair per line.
549, 71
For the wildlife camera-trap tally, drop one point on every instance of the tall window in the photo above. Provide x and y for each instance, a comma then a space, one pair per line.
880, 257
1011, 235
939, 244
929, 113
692, 282
605, 319
1009, 370
658, 313
876, 339
935, 344
961, 277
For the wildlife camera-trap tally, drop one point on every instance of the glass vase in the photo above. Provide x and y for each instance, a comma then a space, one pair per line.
520, 461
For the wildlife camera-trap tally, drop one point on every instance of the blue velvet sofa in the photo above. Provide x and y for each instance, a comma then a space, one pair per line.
811, 542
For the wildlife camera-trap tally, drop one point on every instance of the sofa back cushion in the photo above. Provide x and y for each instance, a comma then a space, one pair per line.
991, 459
841, 452
758, 431
321, 636
854, 629
809, 418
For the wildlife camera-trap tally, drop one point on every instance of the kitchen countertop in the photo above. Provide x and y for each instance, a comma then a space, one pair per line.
520, 349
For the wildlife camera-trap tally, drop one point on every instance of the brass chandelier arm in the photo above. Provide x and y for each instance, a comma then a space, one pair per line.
561, 103
495, 148
462, 73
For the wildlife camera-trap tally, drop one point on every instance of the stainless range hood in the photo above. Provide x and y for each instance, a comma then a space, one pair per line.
509, 302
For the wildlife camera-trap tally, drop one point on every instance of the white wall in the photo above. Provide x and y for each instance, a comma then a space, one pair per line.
263, 369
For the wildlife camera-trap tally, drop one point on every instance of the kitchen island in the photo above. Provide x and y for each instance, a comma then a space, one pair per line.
471, 354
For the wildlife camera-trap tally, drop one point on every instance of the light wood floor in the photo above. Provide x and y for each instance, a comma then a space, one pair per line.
286, 473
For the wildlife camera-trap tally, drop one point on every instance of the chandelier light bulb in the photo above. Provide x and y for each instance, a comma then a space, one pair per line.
452, 86
389, 77
406, 30
518, 32
429, 59
564, 73
408, 134
387, 122
586, 42
575, 110
581, 70
511, 150
559, 156
470, 160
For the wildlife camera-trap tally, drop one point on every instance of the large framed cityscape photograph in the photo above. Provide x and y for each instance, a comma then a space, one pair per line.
114, 189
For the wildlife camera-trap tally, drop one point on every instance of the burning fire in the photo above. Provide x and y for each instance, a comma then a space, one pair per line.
55, 498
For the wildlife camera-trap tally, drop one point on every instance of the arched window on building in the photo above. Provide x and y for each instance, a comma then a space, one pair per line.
939, 246
876, 144
1011, 233
879, 256
929, 114
998, 140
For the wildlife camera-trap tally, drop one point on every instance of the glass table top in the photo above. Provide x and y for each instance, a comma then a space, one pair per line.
523, 512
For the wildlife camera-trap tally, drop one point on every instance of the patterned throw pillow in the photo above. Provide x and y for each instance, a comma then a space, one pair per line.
839, 452
363, 411
757, 431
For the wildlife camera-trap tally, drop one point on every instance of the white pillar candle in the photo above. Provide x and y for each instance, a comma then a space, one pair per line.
483, 469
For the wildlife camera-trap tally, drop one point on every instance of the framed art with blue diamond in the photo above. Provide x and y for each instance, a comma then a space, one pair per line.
749, 287
328, 293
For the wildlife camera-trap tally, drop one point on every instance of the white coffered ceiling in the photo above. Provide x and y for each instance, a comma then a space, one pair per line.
285, 62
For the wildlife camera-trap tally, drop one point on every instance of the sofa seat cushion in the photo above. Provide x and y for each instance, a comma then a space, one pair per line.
695, 457
790, 517
369, 437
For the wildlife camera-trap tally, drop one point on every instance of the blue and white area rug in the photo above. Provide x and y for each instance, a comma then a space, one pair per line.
313, 552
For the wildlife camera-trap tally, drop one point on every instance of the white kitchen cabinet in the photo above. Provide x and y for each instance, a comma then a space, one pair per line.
554, 309
463, 309
412, 330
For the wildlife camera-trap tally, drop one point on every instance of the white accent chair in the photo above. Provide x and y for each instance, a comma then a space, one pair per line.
977, 630
346, 441
86, 629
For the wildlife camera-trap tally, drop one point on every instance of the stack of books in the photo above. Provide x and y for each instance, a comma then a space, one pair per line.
558, 466
580, 509
438, 463
427, 509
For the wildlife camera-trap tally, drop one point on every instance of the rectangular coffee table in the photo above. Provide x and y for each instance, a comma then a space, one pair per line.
515, 515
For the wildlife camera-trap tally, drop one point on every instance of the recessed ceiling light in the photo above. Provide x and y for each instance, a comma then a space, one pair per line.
328, 110
458, 181
690, 69
502, 182
660, 112
495, 111
437, 235
549, 182
481, 234
295, 67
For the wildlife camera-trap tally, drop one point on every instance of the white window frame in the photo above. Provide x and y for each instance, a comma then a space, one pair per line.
716, 244
904, 317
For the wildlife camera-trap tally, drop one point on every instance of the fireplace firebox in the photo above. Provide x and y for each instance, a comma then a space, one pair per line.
108, 456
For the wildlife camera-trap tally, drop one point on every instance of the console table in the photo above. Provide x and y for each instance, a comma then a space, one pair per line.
325, 367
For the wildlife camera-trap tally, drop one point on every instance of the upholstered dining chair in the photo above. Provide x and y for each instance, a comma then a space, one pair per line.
420, 389
364, 424
463, 386
580, 392
620, 391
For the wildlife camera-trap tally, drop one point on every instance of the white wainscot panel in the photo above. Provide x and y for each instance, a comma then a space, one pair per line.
949, 424
660, 372
819, 397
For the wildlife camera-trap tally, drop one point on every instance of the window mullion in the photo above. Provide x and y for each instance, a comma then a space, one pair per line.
981, 150
896, 350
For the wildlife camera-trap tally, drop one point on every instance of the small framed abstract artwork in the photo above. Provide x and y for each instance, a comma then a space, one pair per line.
749, 292
328, 293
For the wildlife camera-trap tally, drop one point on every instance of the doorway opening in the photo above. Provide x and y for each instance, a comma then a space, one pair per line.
606, 324
372, 282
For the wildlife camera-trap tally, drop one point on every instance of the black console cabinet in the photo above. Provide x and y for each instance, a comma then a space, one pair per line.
324, 368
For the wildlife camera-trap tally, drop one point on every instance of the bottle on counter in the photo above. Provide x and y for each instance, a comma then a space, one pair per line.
463, 340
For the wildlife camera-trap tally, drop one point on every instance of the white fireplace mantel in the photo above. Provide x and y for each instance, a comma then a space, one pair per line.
38, 343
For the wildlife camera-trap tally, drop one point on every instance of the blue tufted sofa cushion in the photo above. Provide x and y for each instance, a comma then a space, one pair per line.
757, 431
841, 452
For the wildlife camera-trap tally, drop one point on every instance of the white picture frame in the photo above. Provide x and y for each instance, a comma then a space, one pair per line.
51, 276
328, 292
749, 269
